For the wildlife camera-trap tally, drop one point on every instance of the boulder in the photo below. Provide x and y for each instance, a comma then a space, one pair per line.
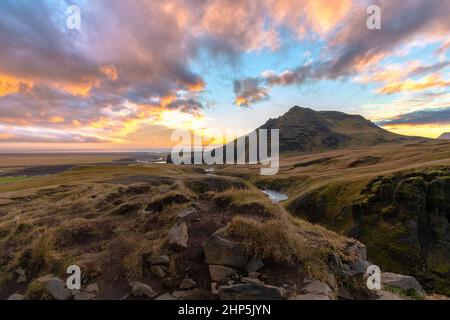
142, 290
158, 260
251, 292
55, 287
220, 251
254, 264
221, 273
405, 283
187, 284
178, 236
188, 215
317, 287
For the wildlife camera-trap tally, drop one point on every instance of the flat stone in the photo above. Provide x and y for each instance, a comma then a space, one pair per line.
221, 273
178, 236
251, 292
16, 296
158, 260
187, 284
310, 296
158, 271
318, 288
165, 296
254, 264
55, 287
220, 251
254, 275
188, 215
403, 282
142, 290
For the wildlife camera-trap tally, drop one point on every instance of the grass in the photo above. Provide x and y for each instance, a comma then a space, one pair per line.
277, 236
9, 180
248, 202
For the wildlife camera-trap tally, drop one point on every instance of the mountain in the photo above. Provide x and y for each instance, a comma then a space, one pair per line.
305, 130
445, 136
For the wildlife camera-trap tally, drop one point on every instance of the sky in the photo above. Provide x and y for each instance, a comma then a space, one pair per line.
134, 71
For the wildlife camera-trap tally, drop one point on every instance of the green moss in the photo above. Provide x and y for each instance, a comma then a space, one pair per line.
410, 293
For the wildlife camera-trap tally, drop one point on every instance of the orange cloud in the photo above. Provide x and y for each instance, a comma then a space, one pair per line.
81, 89
433, 81
325, 14
57, 119
10, 85
110, 71
200, 85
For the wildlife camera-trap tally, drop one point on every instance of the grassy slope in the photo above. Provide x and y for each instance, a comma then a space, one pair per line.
331, 183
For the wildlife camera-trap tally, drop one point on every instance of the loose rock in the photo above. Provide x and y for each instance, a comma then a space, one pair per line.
187, 284
221, 273
142, 290
178, 236
220, 251
318, 288
55, 287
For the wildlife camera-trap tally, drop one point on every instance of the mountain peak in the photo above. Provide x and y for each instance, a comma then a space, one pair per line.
304, 129
445, 136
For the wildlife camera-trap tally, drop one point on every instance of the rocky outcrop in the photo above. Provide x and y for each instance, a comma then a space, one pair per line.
403, 218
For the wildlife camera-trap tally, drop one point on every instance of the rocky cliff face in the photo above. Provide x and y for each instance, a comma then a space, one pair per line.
403, 219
